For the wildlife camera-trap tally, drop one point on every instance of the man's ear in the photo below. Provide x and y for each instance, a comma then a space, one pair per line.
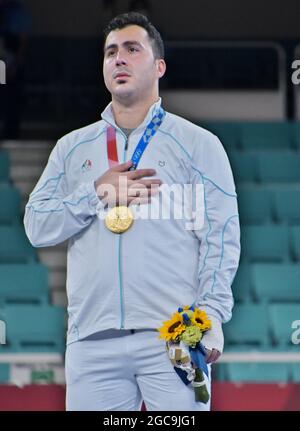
160, 67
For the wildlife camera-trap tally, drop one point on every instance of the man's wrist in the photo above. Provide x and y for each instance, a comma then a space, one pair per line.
214, 337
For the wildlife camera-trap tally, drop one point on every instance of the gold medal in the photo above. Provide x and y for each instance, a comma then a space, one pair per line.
119, 219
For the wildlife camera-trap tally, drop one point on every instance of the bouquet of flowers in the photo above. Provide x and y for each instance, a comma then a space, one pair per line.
183, 333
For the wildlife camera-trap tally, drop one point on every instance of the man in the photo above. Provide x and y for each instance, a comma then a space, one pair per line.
125, 277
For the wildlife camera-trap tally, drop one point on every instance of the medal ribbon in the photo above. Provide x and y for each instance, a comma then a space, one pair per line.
151, 129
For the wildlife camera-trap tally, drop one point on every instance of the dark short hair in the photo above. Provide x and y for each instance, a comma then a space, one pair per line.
136, 18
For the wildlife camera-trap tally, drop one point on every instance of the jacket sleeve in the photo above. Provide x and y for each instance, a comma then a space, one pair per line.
54, 213
220, 234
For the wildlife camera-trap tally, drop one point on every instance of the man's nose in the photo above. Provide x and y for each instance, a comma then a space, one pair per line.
120, 59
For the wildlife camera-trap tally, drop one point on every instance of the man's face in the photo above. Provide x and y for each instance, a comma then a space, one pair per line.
129, 67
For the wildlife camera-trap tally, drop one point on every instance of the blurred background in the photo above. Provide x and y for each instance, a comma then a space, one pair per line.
229, 69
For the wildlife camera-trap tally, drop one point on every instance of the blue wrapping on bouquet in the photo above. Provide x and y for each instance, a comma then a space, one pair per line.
198, 354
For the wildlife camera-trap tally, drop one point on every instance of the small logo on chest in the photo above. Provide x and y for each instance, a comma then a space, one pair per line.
161, 163
87, 166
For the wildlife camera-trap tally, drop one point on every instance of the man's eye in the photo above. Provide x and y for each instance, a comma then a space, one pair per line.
132, 49
110, 53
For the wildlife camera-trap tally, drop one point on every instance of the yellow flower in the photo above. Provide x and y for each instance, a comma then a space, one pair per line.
172, 328
200, 320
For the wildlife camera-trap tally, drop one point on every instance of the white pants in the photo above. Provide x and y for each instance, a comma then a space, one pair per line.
117, 370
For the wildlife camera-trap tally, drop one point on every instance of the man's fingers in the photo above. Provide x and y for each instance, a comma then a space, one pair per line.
208, 353
154, 190
146, 183
136, 190
144, 192
212, 355
140, 173
217, 354
123, 167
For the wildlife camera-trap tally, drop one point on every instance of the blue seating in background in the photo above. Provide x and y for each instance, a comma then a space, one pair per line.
23, 283
287, 205
228, 133
4, 166
281, 318
295, 127
266, 288
295, 372
219, 371
241, 286
10, 204
258, 372
279, 167
14, 245
244, 166
255, 205
32, 328
264, 243
266, 136
4, 373
259, 144
295, 242
249, 325
272, 282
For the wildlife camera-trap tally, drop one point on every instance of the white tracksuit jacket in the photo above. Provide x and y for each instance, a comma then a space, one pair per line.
139, 278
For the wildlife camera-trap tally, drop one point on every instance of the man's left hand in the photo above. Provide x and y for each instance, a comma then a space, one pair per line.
213, 340
212, 355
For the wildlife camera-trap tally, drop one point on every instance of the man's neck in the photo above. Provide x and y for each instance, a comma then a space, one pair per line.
131, 116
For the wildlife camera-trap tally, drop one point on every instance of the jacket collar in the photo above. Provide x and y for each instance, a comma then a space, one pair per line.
107, 115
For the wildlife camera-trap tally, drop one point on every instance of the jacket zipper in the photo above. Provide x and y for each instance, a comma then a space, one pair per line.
120, 256
126, 145
122, 306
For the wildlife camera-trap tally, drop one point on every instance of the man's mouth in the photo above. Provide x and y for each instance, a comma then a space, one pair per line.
121, 75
